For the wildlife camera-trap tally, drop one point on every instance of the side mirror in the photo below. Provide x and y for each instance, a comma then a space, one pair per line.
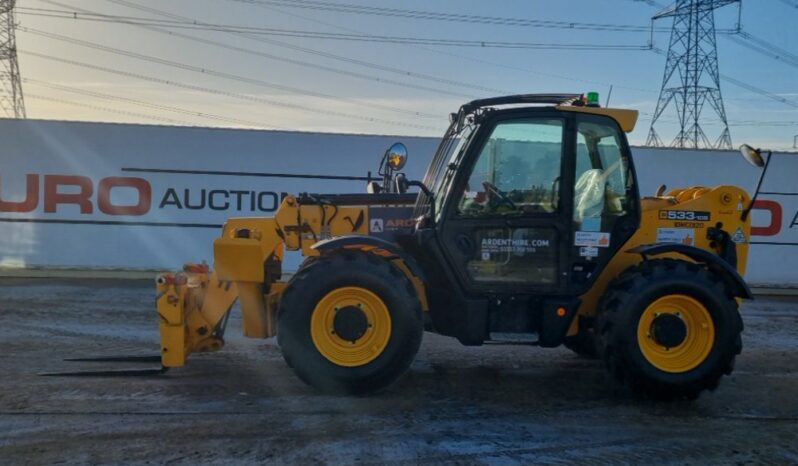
755, 158
752, 156
396, 156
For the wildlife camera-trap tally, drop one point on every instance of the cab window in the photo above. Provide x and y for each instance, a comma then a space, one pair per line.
602, 175
517, 171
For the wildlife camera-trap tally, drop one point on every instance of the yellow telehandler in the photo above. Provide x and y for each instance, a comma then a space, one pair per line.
528, 228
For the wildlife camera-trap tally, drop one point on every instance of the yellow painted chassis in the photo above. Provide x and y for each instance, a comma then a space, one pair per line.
193, 304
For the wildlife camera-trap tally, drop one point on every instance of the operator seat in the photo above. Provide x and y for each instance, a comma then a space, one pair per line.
589, 192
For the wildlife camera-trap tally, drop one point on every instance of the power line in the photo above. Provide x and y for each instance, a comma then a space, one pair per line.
763, 123
748, 87
449, 17
445, 52
218, 92
349, 60
649, 2
792, 3
463, 43
765, 48
261, 54
367, 64
458, 17
757, 90
764, 43
371, 65
209, 116
221, 74
777, 98
107, 109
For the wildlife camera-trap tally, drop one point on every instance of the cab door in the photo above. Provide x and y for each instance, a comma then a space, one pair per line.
507, 220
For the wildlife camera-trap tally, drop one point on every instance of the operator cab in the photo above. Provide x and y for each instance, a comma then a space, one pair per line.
528, 197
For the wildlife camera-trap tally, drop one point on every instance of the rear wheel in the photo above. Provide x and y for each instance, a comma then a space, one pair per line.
350, 322
669, 329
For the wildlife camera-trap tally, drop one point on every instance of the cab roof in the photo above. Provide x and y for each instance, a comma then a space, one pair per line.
627, 119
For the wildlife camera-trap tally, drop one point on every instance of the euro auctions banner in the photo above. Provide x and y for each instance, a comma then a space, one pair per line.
98, 195
136, 196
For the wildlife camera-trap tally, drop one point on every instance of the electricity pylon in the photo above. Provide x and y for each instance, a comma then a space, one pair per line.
11, 100
691, 78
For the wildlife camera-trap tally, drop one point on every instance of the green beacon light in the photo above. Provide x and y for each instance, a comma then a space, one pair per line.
592, 99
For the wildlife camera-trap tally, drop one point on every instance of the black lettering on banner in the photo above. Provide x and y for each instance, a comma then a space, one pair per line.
273, 197
187, 200
238, 195
794, 221
213, 205
170, 198
222, 199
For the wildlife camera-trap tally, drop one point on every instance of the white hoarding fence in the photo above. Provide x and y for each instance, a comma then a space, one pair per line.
94, 195
136, 196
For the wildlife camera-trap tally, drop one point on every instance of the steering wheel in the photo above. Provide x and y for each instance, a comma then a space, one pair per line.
496, 192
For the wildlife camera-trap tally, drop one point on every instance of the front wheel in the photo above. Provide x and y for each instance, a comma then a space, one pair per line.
669, 329
351, 322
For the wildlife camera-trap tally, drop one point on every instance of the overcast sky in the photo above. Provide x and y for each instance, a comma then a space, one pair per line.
321, 84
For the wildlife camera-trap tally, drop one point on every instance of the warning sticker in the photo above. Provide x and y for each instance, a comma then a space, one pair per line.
598, 239
588, 251
738, 236
676, 235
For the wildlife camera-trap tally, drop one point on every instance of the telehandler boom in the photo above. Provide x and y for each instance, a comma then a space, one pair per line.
528, 228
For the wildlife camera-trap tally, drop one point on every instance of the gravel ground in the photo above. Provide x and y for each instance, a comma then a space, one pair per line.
457, 405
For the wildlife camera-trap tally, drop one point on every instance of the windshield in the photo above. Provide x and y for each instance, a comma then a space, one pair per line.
438, 173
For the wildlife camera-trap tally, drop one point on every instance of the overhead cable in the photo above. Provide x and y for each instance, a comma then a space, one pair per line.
141, 103
765, 48
440, 51
220, 74
450, 17
346, 72
107, 109
219, 92
748, 87
468, 43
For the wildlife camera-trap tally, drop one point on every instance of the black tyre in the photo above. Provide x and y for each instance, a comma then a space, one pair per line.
349, 322
669, 329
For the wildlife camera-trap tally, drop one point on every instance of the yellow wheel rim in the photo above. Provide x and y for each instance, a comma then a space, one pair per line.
355, 351
697, 341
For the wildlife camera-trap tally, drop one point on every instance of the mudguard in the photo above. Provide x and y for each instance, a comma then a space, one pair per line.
714, 262
373, 244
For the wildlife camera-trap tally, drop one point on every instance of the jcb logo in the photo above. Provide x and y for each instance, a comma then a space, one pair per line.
79, 190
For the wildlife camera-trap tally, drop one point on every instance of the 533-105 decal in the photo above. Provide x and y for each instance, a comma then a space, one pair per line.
694, 215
